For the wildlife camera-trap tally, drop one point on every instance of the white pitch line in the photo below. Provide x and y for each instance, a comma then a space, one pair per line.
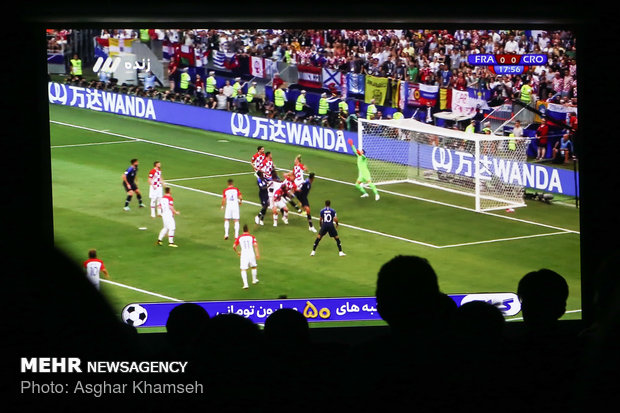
151, 142
90, 144
315, 218
208, 176
321, 177
140, 290
502, 239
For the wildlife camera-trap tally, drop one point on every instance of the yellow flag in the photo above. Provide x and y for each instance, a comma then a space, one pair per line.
443, 98
376, 88
117, 46
542, 107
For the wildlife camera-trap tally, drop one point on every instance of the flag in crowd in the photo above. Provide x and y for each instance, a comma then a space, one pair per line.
478, 97
116, 46
257, 66
461, 104
263, 68
355, 84
271, 68
187, 56
444, 98
202, 57
332, 79
393, 93
375, 88
219, 59
225, 61
167, 49
309, 76
402, 94
420, 94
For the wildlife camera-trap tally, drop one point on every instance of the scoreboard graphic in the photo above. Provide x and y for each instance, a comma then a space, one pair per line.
507, 64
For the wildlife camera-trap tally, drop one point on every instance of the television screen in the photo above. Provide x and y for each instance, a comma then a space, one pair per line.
378, 110
250, 169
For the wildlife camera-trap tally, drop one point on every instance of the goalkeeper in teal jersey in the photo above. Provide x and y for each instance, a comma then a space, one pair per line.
363, 176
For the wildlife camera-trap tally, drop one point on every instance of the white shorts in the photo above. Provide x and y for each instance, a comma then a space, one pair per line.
247, 261
232, 211
169, 223
155, 193
279, 204
94, 279
299, 183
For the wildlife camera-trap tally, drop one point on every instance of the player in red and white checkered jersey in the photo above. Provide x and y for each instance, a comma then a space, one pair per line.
279, 203
156, 184
94, 267
258, 158
298, 171
289, 184
248, 254
231, 198
268, 168
167, 214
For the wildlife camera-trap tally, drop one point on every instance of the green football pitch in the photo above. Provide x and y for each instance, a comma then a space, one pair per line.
471, 252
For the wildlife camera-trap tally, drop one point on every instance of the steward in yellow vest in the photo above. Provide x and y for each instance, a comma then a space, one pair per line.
301, 101
211, 84
184, 83
144, 36
279, 98
76, 66
371, 110
237, 87
526, 93
323, 105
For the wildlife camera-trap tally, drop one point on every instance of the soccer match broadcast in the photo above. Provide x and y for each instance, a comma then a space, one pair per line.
250, 170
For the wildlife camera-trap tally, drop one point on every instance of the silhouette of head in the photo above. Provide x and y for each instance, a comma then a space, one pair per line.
230, 331
287, 326
543, 296
185, 323
480, 320
407, 291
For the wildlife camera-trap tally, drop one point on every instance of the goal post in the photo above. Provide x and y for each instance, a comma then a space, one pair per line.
488, 168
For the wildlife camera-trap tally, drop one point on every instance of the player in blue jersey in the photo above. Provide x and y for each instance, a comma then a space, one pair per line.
130, 184
263, 194
329, 223
302, 196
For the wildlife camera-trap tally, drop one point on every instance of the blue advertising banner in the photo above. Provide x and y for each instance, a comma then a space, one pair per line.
310, 136
314, 309
450, 161
536, 176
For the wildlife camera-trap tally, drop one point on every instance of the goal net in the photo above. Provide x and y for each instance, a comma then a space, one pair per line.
488, 168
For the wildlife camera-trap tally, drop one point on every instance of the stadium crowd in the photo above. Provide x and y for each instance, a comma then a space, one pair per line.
420, 56
433, 57
428, 56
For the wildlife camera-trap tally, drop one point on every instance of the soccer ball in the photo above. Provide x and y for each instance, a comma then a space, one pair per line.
134, 315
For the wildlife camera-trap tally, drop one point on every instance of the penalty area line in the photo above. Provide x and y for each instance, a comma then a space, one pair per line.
140, 290
492, 241
209, 176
